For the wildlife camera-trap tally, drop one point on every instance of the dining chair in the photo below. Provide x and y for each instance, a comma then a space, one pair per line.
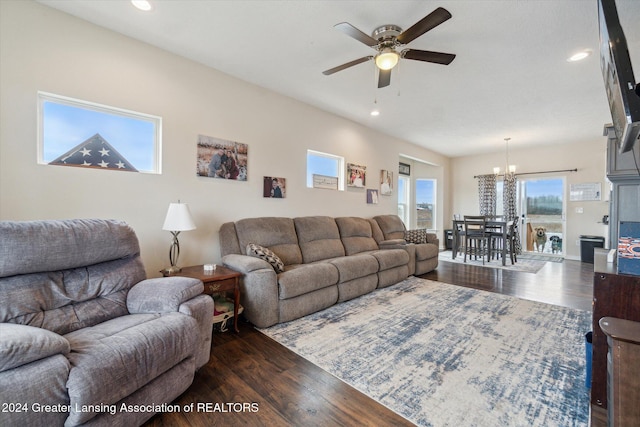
500, 241
477, 241
459, 231
512, 234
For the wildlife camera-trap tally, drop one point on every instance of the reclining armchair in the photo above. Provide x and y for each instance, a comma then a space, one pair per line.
424, 246
84, 337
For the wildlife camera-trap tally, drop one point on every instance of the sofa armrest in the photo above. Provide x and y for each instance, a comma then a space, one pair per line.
433, 238
258, 289
392, 244
21, 344
162, 295
245, 264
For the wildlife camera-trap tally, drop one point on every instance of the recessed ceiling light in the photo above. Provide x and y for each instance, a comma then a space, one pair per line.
142, 4
580, 55
375, 113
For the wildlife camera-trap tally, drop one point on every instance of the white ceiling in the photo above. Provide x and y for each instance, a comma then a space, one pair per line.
510, 78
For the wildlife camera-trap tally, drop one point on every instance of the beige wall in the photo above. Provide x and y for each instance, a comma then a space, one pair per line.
43, 49
588, 157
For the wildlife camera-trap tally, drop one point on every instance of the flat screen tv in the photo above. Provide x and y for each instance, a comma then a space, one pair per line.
622, 91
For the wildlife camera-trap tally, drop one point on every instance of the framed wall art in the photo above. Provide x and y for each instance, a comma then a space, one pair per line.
356, 175
386, 183
219, 158
326, 182
274, 187
372, 196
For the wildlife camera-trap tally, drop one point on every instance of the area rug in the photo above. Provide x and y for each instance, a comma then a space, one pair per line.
541, 257
525, 265
444, 355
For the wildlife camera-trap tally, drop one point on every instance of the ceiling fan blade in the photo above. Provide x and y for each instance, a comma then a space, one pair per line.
352, 31
347, 65
427, 23
384, 78
428, 56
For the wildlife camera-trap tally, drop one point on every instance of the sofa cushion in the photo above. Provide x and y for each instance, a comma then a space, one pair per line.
37, 246
390, 258
356, 235
319, 238
63, 301
115, 358
355, 266
416, 236
391, 225
277, 234
263, 253
305, 278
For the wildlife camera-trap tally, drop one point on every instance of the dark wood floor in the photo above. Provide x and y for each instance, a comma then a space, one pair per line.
287, 390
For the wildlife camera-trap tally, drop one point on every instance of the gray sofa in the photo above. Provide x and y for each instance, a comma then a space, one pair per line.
82, 332
324, 261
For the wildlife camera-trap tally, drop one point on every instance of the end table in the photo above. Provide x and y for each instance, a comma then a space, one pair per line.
222, 279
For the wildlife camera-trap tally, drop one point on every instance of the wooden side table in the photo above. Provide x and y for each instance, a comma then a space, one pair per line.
222, 279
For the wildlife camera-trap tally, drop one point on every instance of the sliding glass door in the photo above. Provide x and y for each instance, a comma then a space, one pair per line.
542, 205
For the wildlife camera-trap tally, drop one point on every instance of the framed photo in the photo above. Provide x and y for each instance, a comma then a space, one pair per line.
356, 175
404, 169
219, 158
326, 182
274, 187
372, 196
386, 183
589, 191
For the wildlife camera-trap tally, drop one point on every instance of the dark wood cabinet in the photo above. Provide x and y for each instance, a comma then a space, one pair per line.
614, 295
623, 371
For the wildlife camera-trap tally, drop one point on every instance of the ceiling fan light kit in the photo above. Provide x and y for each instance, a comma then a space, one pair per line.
388, 38
387, 59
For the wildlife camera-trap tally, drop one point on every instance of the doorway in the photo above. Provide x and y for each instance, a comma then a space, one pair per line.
542, 203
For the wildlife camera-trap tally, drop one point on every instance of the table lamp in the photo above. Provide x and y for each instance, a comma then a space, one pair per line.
178, 219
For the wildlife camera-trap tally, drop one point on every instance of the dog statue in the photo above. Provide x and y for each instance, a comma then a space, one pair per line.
556, 244
539, 238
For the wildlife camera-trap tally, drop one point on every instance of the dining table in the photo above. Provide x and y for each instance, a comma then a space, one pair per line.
497, 227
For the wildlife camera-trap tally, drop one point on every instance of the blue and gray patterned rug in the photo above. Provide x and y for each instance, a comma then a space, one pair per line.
525, 264
444, 355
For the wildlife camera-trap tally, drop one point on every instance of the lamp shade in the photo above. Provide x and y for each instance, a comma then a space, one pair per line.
178, 218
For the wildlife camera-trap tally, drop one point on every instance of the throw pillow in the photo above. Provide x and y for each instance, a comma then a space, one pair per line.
267, 255
416, 236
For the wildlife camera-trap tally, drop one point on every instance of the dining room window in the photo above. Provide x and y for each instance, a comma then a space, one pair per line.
426, 203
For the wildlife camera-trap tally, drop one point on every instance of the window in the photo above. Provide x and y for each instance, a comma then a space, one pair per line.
403, 199
78, 133
326, 165
426, 203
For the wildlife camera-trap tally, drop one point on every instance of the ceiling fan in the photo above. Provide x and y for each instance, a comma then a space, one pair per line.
388, 38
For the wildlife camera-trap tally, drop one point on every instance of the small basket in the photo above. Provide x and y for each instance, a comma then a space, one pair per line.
221, 320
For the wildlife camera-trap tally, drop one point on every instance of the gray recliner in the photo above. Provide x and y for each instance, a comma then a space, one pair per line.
426, 247
84, 335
